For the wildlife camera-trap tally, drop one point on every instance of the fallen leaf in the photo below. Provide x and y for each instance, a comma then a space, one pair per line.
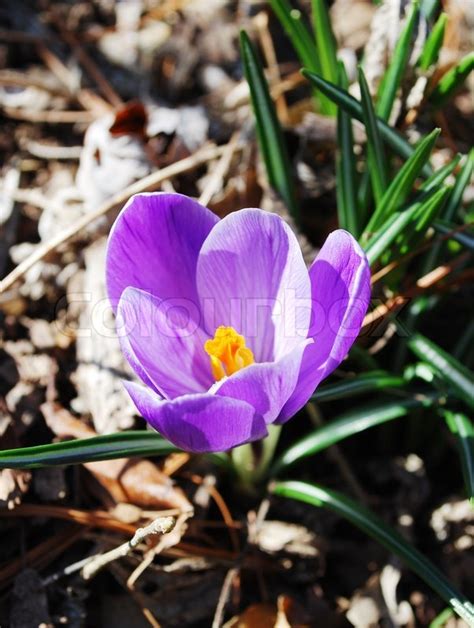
13, 483
255, 616
136, 481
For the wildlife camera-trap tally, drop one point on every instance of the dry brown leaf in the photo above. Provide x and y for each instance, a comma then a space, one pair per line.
136, 481
279, 536
13, 483
255, 616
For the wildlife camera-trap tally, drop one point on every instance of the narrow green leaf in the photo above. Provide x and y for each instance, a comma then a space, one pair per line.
364, 195
462, 237
452, 81
442, 618
430, 53
423, 218
450, 370
428, 8
465, 342
346, 169
450, 209
347, 425
325, 44
389, 85
402, 185
364, 383
462, 181
303, 43
440, 175
399, 221
461, 426
298, 34
369, 523
376, 163
105, 447
354, 108
269, 132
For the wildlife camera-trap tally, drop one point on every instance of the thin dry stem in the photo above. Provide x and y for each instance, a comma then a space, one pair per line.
223, 597
219, 172
162, 525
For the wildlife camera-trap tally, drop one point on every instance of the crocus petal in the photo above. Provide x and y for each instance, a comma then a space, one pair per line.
265, 386
251, 276
154, 245
340, 287
163, 345
199, 423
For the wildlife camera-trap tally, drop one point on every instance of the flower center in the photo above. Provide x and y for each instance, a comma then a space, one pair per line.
228, 352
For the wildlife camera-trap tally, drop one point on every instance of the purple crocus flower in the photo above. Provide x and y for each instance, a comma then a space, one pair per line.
221, 319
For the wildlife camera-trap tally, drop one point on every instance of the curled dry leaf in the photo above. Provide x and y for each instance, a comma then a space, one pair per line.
135, 481
254, 616
13, 484
112, 160
278, 536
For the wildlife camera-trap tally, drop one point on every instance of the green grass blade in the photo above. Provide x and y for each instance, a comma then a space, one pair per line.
450, 209
298, 34
325, 45
346, 169
441, 620
462, 181
369, 523
389, 85
104, 447
423, 218
347, 425
269, 132
460, 378
461, 426
428, 8
402, 185
365, 383
464, 239
440, 175
452, 81
303, 44
400, 221
430, 53
353, 107
376, 162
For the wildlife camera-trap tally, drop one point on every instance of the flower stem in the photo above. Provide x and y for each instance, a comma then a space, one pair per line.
250, 467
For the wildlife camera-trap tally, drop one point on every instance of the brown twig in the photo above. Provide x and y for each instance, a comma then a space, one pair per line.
422, 284
261, 22
161, 525
224, 510
19, 79
96, 519
405, 258
41, 554
167, 541
224, 596
49, 117
219, 171
50, 151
